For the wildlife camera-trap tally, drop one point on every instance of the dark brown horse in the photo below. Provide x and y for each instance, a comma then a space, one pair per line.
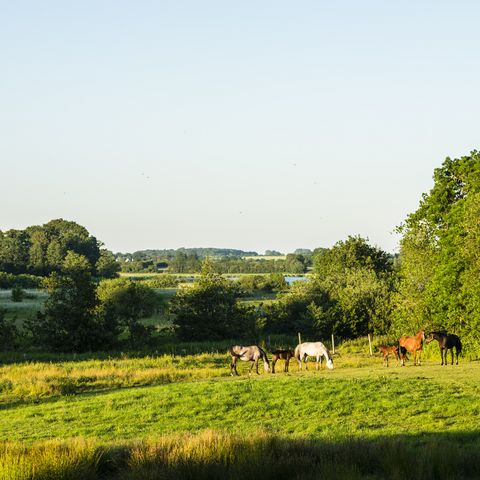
446, 341
413, 345
282, 355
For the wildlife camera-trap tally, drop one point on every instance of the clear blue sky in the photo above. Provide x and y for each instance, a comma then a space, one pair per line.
252, 124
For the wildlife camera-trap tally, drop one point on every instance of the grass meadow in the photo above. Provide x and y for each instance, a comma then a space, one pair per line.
177, 413
183, 416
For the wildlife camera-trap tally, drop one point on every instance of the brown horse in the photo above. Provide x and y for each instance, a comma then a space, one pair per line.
413, 345
282, 355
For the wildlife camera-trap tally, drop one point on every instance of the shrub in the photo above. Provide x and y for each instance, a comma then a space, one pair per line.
18, 294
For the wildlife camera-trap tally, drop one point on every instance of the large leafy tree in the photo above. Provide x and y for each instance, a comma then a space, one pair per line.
68, 322
439, 254
209, 309
122, 304
359, 279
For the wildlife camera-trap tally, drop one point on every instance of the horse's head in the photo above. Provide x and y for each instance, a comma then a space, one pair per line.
429, 337
330, 363
266, 365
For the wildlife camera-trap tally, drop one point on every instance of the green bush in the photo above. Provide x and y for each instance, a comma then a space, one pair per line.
18, 294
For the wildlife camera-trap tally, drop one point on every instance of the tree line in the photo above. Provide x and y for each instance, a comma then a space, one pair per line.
355, 288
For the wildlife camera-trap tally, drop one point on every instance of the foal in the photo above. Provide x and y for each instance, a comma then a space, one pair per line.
446, 341
282, 355
386, 350
399, 352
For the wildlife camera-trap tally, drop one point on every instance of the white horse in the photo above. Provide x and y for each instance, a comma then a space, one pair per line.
253, 354
313, 349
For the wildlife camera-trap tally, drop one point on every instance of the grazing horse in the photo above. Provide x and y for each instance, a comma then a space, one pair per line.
253, 354
313, 349
412, 345
446, 341
282, 355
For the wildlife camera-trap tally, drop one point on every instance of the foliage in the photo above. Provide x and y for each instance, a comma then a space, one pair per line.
107, 266
305, 307
439, 259
68, 322
209, 309
359, 280
18, 294
274, 282
8, 332
42, 249
9, 280
122, 303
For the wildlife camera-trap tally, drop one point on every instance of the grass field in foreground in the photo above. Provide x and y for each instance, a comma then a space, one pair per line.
360, 420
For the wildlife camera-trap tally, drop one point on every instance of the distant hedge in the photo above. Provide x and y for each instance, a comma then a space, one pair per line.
9, 280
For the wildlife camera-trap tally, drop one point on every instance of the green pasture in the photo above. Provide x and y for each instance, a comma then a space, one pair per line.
27, 308
184, 415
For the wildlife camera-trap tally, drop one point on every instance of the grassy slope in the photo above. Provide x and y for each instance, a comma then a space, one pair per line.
364, 402
360, 420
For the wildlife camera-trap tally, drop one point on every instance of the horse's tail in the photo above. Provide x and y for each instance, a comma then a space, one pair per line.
296, 352
263, 355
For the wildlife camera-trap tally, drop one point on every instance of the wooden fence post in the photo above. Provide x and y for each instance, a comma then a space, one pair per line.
370, 344
299, 338
333, 344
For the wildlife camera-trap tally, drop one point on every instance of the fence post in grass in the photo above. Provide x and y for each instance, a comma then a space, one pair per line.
370, 344
333, 344
299, 338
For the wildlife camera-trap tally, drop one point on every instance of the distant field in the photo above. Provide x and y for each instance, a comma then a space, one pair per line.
24, 309
265, 257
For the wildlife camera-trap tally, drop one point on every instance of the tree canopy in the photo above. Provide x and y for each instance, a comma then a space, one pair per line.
439, 258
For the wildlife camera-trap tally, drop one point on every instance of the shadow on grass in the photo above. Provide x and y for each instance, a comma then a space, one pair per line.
216, 455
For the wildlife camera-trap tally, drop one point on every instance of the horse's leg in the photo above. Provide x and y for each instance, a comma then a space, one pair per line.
251, 368
456, 354
419, 357
274, 361
451, 351
256, 366
233, 366
305, 359
287, 361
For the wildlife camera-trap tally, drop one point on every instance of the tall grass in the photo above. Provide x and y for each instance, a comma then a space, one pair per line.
216, 455
33, 380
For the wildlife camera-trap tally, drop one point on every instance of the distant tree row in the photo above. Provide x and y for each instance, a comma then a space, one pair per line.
184, 262
42, 249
